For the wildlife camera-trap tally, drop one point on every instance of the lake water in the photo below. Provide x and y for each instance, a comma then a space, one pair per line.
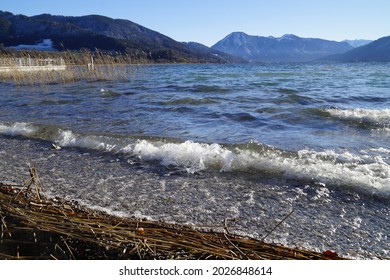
195, 144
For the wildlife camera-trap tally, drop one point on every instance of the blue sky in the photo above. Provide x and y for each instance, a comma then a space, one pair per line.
208, 21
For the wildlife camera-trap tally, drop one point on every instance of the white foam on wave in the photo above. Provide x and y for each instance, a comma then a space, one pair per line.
193, 156
371, 116
381, 150
336, 168
17, 129
328, 167
63, 138
67, 138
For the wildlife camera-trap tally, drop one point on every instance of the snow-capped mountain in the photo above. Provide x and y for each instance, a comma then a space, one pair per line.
97, 32
358, 43
288, 48
378, 50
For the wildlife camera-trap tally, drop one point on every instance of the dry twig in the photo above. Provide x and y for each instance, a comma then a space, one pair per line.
36, 227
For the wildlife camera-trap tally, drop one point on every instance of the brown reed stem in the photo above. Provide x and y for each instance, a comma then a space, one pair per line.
59, 229
277, 225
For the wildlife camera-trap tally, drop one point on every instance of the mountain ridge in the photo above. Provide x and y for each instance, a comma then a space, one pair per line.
358, 42
376, 51
142, 44
100, 32
288, 48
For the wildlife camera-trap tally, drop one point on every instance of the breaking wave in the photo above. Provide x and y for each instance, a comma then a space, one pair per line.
17, 129
327, 167
342, 168
370, 118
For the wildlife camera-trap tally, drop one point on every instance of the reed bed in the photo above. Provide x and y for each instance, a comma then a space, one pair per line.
34, 226
80, 66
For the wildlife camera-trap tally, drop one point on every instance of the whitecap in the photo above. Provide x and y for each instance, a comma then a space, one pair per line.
67, 138
326, 167
193, 156
372, 117
18, 129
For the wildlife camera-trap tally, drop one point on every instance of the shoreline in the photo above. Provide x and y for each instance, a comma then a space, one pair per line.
35, 227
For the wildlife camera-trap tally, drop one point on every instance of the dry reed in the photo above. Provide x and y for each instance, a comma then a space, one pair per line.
36, 227
80, 66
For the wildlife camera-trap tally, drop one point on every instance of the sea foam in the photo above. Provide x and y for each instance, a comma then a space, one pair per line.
191, 155
67, 138
337, 168
334, 168
372, 117
17, 129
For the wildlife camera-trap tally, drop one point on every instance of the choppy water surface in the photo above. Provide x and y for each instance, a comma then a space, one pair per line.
196, 144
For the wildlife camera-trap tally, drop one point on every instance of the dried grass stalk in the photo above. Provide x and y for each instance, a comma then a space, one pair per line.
80, 66
36, 227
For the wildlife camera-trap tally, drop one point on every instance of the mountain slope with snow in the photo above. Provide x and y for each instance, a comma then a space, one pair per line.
99, 32
378, 50
288, 48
